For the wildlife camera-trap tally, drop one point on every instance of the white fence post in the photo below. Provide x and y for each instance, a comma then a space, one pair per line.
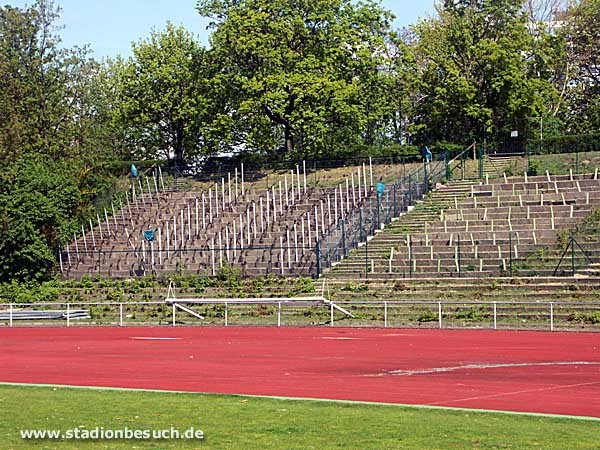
120, 314
226, 315
278, 314
495, 317
385, 314
440, 314
331, 312
551, 316
173, 314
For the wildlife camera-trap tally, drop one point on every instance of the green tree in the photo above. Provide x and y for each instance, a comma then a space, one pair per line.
476, 77
583, 36
162, 95
56, 139
38, 202
49, 96
295, 70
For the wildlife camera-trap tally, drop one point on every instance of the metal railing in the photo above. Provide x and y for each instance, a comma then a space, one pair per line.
496, 315
394, 200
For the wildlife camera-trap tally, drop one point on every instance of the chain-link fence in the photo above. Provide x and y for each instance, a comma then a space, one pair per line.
391, 201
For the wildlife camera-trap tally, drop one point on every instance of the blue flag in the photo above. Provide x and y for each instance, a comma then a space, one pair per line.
149, 235
134, 172
427, 154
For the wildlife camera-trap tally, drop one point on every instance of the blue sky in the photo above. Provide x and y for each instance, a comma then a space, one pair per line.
109, 26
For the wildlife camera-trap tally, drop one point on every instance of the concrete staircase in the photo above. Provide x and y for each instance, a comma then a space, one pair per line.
415, 290
495, 166
260, 230
478, 230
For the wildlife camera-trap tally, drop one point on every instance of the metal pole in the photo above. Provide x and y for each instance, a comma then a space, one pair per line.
385, 314
360, 219
378, 212
278, 314
120, 314
458, 255
495, 317
551, 316
173, 314
572, 253
410, 263
318, 253
344, 237
226, 315
68, 314
331, 313
366, 257
510, 258
577, 156
440, 314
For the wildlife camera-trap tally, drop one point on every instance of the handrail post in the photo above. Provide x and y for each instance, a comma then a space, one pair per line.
120, 314
510, 255
366, 256
577, 155
278, 314
10, 315
495, 317
318, 253
173, 322
360, 225
572, 252
551, 316
344, 247
331, 313
440, 314
385, 314
458, 256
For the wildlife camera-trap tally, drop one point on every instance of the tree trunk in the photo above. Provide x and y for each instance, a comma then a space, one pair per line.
289, 139
287, 128
178, 148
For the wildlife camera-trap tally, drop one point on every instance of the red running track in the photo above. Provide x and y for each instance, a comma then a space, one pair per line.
541, 372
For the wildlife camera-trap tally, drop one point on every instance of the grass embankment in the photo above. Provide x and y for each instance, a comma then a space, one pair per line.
232, 422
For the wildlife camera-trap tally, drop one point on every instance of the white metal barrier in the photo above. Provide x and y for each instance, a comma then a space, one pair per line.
450, 314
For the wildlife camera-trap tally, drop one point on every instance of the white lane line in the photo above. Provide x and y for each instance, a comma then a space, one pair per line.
303, 399
525, 391
401, 372
150, 338
340, 338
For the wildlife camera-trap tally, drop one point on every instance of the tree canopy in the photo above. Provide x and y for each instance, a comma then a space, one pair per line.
296, 69
162, 95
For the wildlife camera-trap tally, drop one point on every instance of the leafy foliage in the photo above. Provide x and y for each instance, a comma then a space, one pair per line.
162, 99
55, 134
475, 70
294, 70
583, 34
37, 198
